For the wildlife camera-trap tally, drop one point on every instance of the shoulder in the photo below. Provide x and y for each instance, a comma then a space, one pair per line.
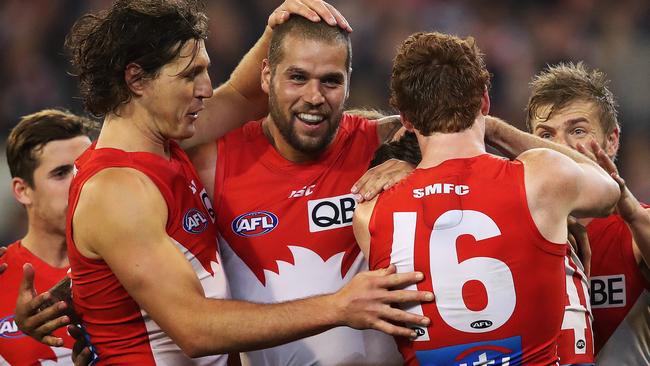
363, 211
546, 165
117, 191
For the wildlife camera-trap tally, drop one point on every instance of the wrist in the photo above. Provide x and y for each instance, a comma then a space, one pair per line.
333, 310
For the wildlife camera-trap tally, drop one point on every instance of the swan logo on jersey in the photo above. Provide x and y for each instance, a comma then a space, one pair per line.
254, 223
330, 213
9, 329
499, 352
194, 221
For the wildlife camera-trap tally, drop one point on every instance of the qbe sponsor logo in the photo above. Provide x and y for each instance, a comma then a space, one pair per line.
254, 223
330, 213
608, 291
9, 329
500, 352
194, 221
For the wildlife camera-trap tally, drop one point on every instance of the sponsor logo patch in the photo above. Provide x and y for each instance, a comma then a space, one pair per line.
500, 352
9, 329
254, 223
330, 213
194, 221
608, 291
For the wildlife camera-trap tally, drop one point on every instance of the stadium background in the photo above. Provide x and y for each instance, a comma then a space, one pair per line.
519, 37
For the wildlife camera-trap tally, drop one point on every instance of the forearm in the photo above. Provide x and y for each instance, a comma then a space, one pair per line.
639, 224
512, 141
239, 326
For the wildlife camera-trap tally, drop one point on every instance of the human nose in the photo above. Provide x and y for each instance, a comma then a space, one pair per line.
313, 94
203, 87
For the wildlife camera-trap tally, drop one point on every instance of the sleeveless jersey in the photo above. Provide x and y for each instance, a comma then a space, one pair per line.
499, 285
120, 331
16, 348
620, 296
287, 233
576, 341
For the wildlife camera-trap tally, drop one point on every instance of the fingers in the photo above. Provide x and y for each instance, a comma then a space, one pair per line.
314, 10
395, 315
27, 282
380, 178
394, 330
82, 358
3, 267
402, 296
52, 341
323, 11
340, 19
400, 280
586, 152
45, 330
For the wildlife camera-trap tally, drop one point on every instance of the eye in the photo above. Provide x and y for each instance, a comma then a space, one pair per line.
545, 135
579, 131
299, 78
331, 82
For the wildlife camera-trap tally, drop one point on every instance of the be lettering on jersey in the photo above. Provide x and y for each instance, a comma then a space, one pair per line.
330, 213
254, 223
441, 188
501, 352
608, 291
9, 329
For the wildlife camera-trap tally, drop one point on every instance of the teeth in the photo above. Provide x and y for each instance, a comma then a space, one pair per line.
311, 118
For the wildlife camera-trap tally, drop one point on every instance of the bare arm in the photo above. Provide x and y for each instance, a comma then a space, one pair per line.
557, 186
360, 222
134, 245
389, 128
241, 99
635, 216
512, 141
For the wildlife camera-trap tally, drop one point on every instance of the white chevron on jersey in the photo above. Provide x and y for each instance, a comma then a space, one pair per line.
310, 275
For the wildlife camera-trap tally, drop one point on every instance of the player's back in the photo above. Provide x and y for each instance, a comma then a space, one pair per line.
499, 285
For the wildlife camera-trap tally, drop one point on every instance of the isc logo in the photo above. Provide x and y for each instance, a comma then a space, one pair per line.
194, 222
608, 291
330, 213
9, 329
254, 223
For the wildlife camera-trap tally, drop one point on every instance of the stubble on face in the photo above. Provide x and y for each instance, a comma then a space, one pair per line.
285, 121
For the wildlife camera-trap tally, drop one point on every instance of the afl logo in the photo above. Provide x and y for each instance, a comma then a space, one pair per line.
254, 223
194, 222
9, 329
481, 324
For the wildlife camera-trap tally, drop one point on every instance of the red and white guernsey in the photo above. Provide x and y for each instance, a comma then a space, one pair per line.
620, 296
120, 331
576, 341
16, 348
287, 233
499, 284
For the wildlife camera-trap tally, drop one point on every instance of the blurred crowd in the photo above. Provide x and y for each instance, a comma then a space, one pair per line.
519, 37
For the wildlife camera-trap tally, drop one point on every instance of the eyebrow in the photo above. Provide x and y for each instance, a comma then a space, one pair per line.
575, 121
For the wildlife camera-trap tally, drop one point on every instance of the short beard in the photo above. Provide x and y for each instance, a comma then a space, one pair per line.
288, 132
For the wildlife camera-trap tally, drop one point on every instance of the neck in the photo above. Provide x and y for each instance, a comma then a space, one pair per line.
131, 130
48, 246
444, 146
285, 149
